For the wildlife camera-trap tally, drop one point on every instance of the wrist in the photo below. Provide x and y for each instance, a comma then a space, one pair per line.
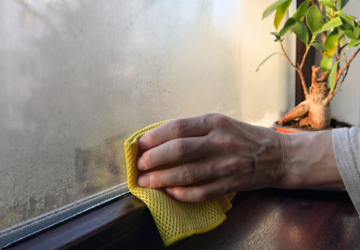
274, 158
309, 161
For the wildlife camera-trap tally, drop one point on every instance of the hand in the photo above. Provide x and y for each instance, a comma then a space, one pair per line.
232, 155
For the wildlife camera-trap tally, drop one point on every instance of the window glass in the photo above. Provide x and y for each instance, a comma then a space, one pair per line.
78, 77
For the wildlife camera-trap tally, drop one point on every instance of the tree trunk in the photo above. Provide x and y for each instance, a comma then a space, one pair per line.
315, 111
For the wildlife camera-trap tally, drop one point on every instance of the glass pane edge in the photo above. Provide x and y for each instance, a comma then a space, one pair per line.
30, 227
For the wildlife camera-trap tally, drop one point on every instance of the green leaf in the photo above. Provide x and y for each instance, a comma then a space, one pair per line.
313, 18
351, 34
331, 43
301, 31
269, 10
287, 26
356, 31
333, 23
332, 76
301, 11
328, 10
353, 43
318, 45
281, 12
267, 59
342, 37
346, 20
342, 41
326, 63
277, 36
327, 3
326, 17
342, 3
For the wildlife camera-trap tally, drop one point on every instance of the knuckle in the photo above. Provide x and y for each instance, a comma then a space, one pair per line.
179, 127
227, 143
186, 175
180, 194
147, 158
154, 181
211, 118
233, 167
201, 195
219, 120
180, 148
149, 138
223, 143
195, 195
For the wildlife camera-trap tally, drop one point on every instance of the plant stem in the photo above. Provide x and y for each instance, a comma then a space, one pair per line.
304, 57
338, 52
346, 44
298, 69
345, 58
338, 75
324, 34
346, 67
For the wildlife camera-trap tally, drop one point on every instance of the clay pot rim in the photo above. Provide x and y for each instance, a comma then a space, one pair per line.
294, 130
289, 129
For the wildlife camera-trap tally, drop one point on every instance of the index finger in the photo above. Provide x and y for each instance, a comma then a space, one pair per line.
184, 127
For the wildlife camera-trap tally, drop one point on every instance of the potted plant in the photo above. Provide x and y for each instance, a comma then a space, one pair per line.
323, 25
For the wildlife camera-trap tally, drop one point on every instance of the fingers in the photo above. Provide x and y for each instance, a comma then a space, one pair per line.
201, 193
174, 150
209, 168
186, 127
181, 175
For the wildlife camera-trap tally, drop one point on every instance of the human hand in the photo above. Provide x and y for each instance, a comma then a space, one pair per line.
232, 155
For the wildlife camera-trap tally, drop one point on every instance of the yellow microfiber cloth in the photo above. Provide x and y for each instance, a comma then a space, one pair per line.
174, 219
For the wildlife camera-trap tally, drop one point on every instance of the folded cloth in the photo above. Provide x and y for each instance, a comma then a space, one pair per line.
174, 219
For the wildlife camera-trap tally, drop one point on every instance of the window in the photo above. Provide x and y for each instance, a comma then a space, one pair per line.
98, 71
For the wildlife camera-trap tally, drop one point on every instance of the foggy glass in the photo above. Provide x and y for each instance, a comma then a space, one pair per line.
78, 77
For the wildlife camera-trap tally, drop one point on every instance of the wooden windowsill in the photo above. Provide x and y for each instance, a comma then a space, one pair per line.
269, 218
99, 228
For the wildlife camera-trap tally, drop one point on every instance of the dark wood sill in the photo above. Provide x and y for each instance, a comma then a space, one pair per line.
269, 218
119, 223
285, 219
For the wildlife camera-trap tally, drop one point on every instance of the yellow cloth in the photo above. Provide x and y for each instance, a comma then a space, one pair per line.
174, 219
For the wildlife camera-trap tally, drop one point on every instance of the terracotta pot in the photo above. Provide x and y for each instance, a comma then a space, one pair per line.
287, 130
283, 129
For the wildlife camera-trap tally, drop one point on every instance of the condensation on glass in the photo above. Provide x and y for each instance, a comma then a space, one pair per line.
78, 77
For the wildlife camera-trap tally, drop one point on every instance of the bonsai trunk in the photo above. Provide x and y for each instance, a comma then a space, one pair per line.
315, 111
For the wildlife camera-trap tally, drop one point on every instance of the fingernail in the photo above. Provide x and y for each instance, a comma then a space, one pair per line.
143, 143
139, 164
143, 181
170, 191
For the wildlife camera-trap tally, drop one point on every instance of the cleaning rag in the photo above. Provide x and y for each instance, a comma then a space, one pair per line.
174, 219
